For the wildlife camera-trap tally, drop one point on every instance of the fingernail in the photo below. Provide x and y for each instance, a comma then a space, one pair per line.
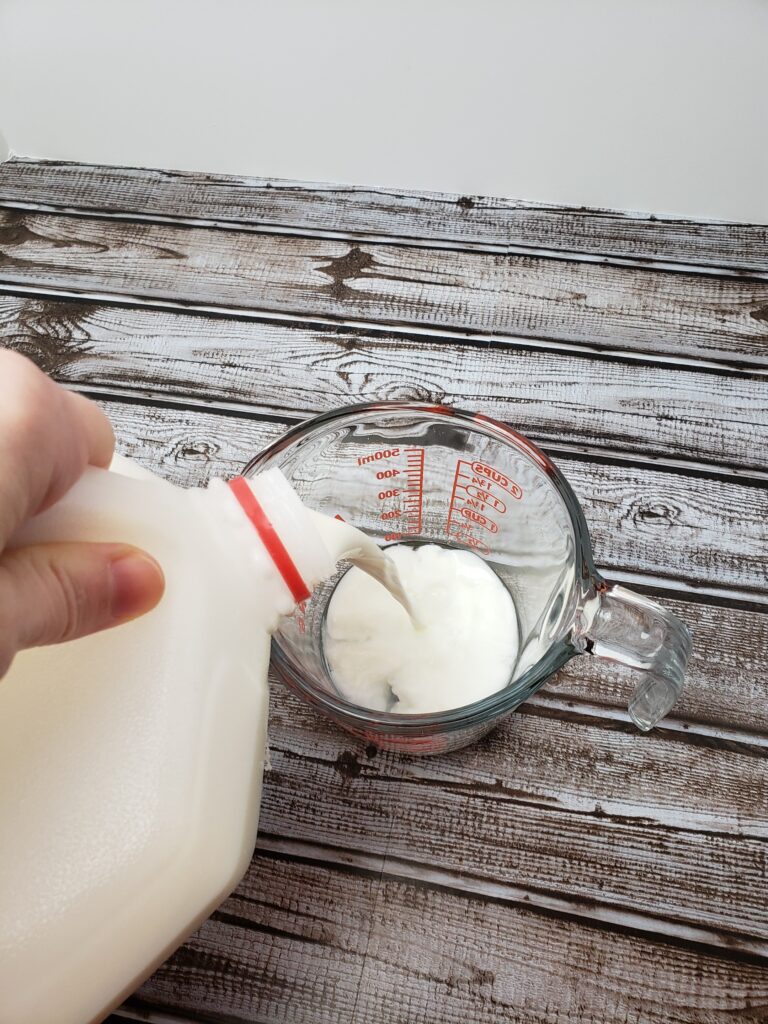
137, 584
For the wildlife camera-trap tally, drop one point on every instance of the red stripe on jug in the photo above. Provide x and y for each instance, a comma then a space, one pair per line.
269, 537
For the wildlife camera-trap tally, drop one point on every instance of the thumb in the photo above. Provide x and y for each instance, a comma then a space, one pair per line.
55, 592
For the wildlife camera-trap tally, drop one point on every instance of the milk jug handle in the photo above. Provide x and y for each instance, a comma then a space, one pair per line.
632, 630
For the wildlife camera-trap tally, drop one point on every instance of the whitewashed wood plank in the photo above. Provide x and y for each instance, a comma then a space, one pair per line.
299, 369
400, 913
598, 914
304, 944
726, 682
551, 805
314, 207
578, 750
189, 447
588, 304
505, 756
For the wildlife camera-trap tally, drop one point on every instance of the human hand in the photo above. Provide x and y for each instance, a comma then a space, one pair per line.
55, 592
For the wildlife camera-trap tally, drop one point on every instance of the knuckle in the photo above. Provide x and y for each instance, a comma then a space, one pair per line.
69, 600
28, 384
23, 414
26, 408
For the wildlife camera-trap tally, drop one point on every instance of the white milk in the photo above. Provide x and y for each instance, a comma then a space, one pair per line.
347, 543
464, 647
131, 761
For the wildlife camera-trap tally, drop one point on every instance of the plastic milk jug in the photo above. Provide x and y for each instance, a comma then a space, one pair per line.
131, 761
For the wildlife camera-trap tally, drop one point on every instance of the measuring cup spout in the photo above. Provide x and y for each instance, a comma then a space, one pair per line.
632, 630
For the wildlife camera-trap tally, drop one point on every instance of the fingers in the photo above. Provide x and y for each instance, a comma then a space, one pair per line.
47, 438
55, 592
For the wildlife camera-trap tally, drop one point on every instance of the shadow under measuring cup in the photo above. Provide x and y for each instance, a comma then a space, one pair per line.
413, 474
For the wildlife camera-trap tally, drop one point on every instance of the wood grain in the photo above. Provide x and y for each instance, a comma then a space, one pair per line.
602, 817
148, 1016
264, 202
313, 808
305, 944
655, 410
727, 684
584, 304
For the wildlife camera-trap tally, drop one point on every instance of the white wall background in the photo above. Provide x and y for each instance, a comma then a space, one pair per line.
655, 105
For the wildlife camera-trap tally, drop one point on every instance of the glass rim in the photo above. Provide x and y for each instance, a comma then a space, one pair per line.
503, 701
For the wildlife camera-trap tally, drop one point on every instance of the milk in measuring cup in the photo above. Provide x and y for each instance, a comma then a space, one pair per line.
346, 543
462, 646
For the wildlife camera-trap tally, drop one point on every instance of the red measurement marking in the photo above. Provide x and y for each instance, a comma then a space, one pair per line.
453, 500
405, 464
384, 453
477, 503
480, 519
494, 476
489, 499
413, 493
472, 541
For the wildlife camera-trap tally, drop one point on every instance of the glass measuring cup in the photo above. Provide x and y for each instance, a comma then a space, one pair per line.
412, 473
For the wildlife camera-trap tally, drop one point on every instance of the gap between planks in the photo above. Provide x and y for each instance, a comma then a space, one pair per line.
581, 708
434, 955
591, 911
474, 293
136, 421
389, 213
135, 350
298, 736
149, 1017
583, 452
559, 807
437, 333
439, 881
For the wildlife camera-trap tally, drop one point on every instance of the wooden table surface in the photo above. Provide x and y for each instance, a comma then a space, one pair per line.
566, 868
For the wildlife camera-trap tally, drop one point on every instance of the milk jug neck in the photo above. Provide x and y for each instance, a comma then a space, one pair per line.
265, 522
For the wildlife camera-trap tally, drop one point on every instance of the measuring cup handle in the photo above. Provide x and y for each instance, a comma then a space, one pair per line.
629, 629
